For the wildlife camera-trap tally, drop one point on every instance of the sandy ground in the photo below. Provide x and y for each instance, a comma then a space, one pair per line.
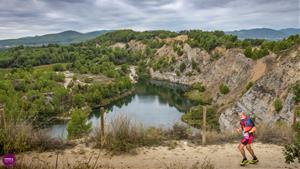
224, 156
259, 70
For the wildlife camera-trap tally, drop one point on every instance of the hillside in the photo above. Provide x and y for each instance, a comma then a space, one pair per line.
227, 73
265, 33
65, 37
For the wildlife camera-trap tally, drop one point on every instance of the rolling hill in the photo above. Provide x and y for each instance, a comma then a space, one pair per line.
264, 33
66, 37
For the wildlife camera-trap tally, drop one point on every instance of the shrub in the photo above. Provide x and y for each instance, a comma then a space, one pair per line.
224, 89
216, 56
179, 131
58, 77
182, 67
297, 92
278, 104
78, 125
199, 86
58, 67
194, 64
249, 85
189, 74
78, 100
248, 52
198, 97
177, 73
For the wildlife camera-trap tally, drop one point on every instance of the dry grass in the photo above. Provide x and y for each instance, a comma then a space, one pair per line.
123, 135
22, 137
215, 137
280, 133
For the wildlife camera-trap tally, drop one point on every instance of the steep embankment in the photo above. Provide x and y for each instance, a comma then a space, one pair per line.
276, 83
183, 156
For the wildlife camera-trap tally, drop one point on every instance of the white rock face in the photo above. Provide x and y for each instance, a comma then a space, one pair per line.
260, 98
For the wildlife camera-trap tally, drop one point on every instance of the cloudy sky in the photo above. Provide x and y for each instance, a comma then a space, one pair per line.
36, 17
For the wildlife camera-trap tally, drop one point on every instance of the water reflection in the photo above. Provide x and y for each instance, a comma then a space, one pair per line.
152, 104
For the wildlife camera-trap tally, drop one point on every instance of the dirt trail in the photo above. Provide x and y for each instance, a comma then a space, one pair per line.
259, 70
224, 156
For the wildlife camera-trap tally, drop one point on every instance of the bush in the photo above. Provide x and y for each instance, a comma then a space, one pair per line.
58, 77
78, 100
182, 67
177, 73
248, 52
78, 125
224, 89
189, 74
198, 97
249, 85
297, 92
278, 104
179, 131
215, 56
199, 86
194, 64
58, 67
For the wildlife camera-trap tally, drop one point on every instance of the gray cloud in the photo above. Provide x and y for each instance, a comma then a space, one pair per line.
35, 17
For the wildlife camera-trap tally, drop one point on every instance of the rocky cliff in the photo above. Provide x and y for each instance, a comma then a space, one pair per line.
260, 98
272, 77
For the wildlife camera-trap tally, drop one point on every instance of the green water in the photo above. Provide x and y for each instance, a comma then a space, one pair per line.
155, 104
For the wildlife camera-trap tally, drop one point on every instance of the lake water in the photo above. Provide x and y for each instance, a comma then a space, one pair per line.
153, 104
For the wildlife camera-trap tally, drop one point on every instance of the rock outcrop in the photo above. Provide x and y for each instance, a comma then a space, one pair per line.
260, 98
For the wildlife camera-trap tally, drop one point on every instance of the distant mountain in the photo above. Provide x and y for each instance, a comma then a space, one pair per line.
65, 37
264, 33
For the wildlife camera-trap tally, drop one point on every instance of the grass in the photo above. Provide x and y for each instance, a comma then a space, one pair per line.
280, 133
123, 135
16, 138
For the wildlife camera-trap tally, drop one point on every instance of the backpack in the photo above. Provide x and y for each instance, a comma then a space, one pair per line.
252, 116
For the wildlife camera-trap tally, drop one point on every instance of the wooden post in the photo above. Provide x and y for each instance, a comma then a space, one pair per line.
204, 126
102, 113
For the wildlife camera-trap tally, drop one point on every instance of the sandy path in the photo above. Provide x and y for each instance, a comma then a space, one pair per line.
222, 156
258, 70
